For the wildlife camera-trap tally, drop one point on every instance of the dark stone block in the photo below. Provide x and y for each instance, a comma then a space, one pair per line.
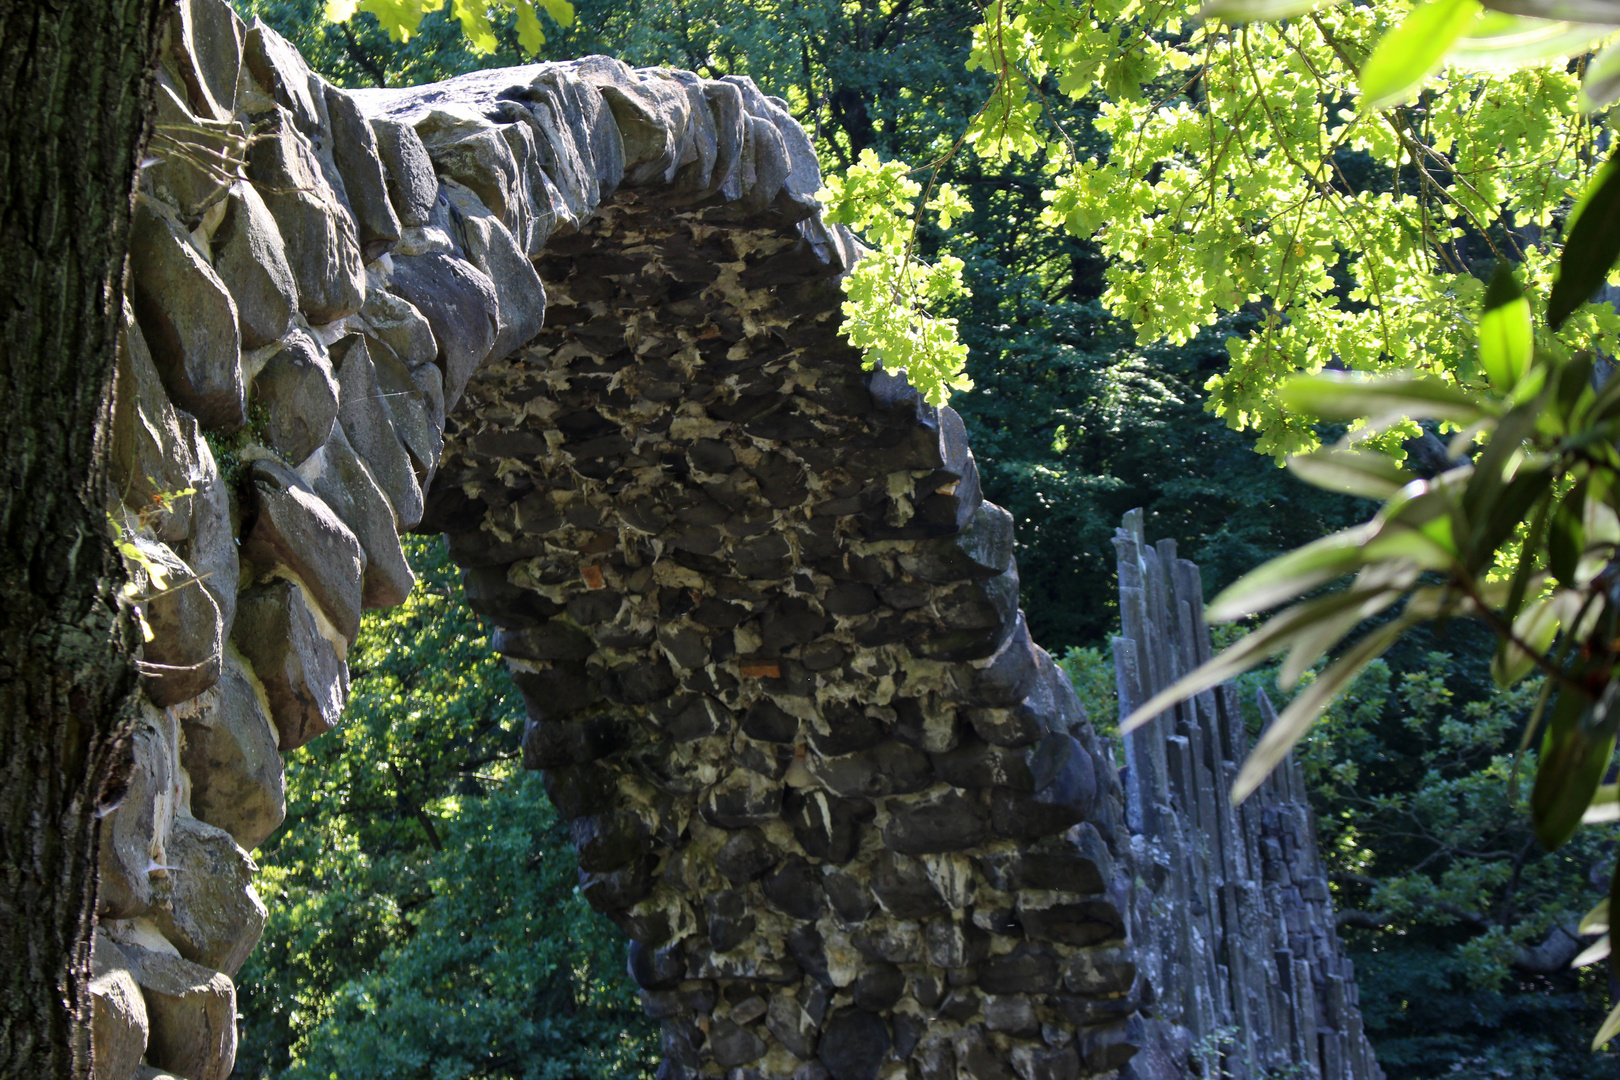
1007, 677
806, 947
790, 621
655, 969
1080, 1011
1060, 1063
1100, 971
850, 598
976, 764
827, 828
976, 1056
853, 1045
718, 615
557, 691
953, 944
594, 606
960, 1005
549, 641
711, 456
745, 856
928, 988
731, 1045
879, 987
702, 717
1061, 870
730, 922
850, 728
796, 890
551, 743
685, 645
616, 890
982, 550
580, 789
1088, 922
610, 840
639, 684
903, 887
1108, 1046
1026, 970
767, 759
890, 768
742, 799
851, 899
942, 822
792, 1025
1065, 800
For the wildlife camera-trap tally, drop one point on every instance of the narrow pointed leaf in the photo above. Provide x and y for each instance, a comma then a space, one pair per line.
1598, 950
1506, 341
1499, 41
1288, 576
1601, 85
1596, 921
1241, 11
1610, 1028
1591, 243
1605, 807
1308, 704
1336, 396
1353, 472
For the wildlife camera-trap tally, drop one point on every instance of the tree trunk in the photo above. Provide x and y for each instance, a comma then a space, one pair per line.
75, 80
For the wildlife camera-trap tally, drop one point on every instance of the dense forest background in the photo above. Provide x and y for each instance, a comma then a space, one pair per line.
423, 915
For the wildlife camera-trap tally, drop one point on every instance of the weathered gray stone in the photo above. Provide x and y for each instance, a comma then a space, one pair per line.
237, 780
521, 299
853, 1044
118, 1023
134, 835
151, 455
192, 1012
280, 72
460, 305
182, 659
733, 1045
298, 395
412, 185
296, 530
354, 147
398, 324
368, 423
345, 484
213, 916
188, 321
251, 260
318, 234
205, 46
302, 671
211, 551
467, 148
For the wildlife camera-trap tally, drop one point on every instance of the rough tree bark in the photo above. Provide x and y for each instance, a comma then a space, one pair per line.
75, 79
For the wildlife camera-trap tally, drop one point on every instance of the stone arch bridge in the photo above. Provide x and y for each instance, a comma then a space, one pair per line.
583, 320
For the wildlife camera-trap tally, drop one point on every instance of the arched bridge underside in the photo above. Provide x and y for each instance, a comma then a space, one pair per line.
583, 320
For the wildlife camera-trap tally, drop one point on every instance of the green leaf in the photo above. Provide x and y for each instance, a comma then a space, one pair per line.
1536, 626
1506, 341
1610, 1028
1241, 11
1574, 756
1498, 40
1567, 538
475, 24
1353, 472
1601, 86
1380, 586
1288, 576
561, 11
1308, 704
1591, 243
529, 33
1596, 921
1605, 807
1404, 57
1251, 650
1342, 396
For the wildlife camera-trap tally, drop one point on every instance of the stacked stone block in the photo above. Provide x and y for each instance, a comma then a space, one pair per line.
1237, 924
853, 820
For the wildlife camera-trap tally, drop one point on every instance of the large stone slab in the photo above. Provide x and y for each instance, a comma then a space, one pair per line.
295, 531
300, 668
238, 782
118, 1022
192, 1011
188, 320
213, 916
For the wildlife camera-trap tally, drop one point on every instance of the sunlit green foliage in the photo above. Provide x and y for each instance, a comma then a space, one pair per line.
425, 923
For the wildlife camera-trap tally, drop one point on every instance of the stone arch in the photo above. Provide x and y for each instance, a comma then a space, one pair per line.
583, 320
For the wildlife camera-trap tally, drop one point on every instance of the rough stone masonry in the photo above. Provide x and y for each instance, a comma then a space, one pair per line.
583, 320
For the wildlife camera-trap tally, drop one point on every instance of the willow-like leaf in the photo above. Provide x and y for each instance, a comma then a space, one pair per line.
1610, 1028
1243, 11
1498, 40
1308, 704
1587, 11
1591, 242
1598, 950
1342, 396
1605, 807
1289, 576
1596, 921
1381, 585
1352, 472
1248, 651
1536, 626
